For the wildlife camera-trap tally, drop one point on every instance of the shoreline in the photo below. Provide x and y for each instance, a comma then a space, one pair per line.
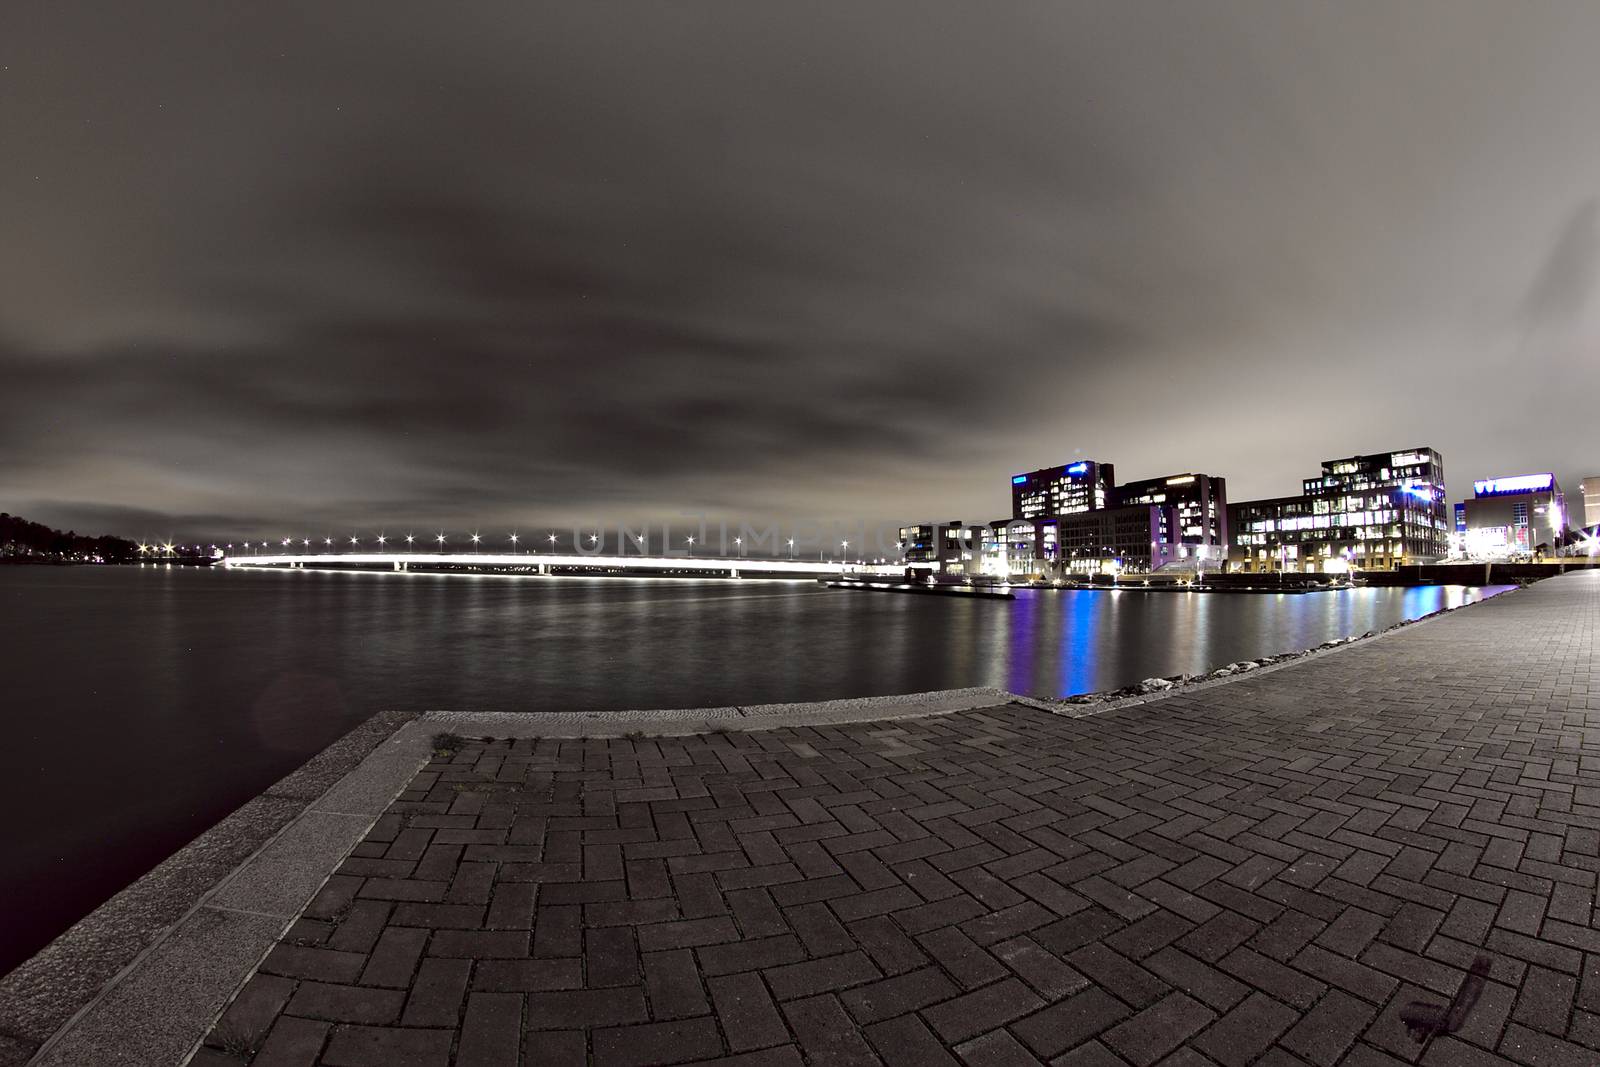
144, 927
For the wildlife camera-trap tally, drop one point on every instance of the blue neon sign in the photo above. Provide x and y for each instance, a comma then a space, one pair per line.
1018, 479
1078, 468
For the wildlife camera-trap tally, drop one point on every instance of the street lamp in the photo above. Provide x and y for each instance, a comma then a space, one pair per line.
440, 538
740, 542
352, 540
382, 540
475, 540
791, 548
513, 540
691, 544
552, 540
409, 540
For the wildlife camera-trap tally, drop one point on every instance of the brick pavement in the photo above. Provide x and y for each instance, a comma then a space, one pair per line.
1264, 872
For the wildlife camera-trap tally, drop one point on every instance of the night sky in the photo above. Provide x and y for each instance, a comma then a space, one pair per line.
276, 268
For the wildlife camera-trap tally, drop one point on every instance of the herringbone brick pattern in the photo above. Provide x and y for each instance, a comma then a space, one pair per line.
1264, 872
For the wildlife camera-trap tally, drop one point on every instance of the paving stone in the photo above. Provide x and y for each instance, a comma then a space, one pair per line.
749, 1016
1262, 873
825, 1033
648, 1044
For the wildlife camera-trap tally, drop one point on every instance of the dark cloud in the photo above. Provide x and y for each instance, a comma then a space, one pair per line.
508, 264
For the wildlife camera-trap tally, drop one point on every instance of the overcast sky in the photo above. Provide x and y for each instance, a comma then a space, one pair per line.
272, 268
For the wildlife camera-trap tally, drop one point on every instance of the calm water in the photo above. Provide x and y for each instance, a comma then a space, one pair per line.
144, 704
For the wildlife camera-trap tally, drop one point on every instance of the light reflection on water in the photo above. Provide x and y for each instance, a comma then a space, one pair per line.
152, 701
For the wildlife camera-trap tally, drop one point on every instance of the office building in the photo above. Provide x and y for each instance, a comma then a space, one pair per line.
1589, 489
1065, 490
1194, 516
1513, 517
1115, 540
1371, 512
940, 548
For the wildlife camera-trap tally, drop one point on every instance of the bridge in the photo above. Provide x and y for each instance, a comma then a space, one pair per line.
573, 563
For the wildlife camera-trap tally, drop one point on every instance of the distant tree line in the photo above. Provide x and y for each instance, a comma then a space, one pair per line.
21, 539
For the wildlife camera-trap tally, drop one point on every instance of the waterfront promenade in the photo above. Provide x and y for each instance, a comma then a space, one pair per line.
1271, 870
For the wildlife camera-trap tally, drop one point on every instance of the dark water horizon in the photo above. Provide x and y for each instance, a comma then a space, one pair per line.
146, 703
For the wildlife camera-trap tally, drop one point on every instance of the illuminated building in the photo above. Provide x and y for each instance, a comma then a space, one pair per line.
1589, 489
940, 547
1511, 517
1083, 485
1194, 515
1112, 540
1369, 512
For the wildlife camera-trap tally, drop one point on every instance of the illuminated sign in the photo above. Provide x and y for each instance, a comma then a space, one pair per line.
1018, 479
1078, 468
1184, 479
1421, 492
1523, 483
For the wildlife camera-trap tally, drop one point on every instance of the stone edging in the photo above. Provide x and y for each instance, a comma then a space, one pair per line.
48, 994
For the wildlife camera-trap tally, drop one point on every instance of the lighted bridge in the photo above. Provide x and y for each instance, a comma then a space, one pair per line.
567, 563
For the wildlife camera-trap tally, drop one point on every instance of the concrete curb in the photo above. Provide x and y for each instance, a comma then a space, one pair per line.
678, 722
123, 983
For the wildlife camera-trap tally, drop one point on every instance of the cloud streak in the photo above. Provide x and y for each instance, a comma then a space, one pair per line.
508, 264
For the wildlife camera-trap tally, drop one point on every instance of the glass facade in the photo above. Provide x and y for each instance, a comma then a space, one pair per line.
1372, 512
1083, 485
1194, 512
